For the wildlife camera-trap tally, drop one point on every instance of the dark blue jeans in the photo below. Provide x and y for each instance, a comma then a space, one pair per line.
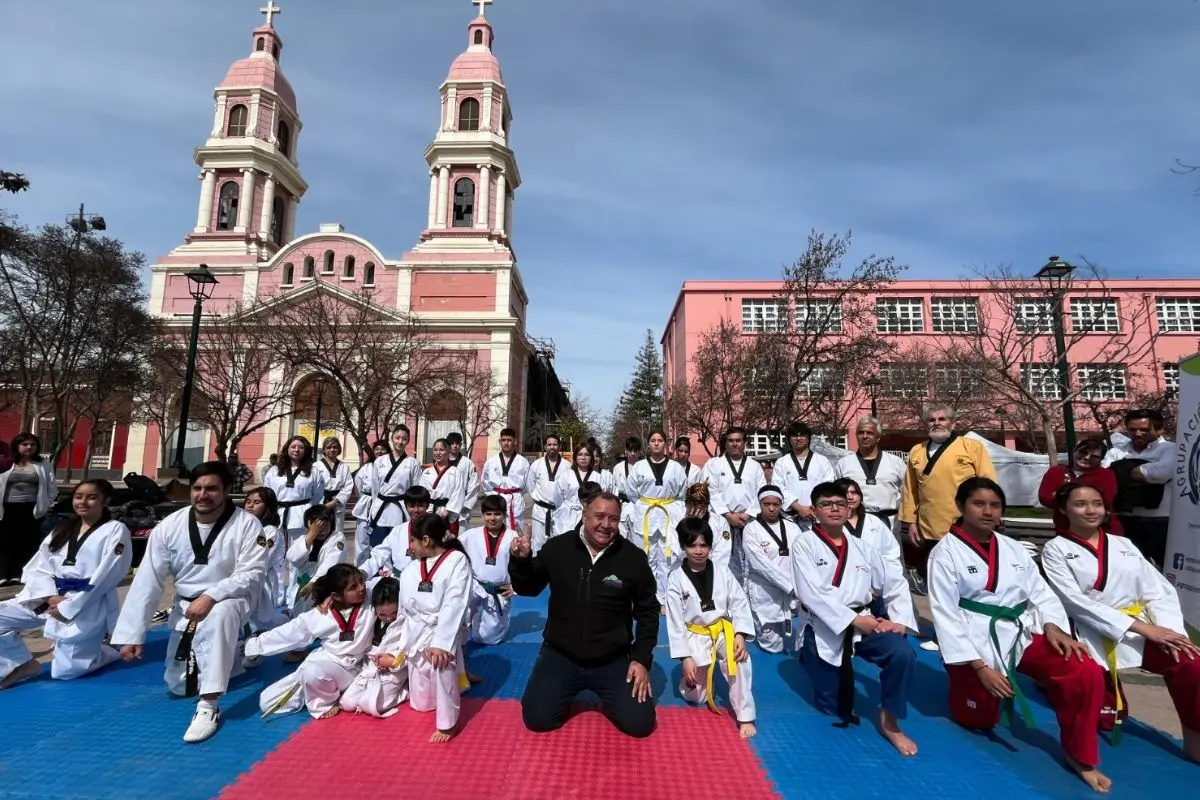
891, 652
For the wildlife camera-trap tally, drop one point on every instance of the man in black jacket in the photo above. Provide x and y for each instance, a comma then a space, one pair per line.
599, 585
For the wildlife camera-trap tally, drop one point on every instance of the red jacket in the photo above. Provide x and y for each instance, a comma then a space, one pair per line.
1102, 479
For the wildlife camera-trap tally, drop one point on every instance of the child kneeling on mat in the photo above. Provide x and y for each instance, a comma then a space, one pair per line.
708, 623
382, 683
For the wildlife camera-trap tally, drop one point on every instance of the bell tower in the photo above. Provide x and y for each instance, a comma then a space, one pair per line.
250, 182
473, 173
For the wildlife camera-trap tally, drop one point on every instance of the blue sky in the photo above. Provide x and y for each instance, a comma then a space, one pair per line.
658, 141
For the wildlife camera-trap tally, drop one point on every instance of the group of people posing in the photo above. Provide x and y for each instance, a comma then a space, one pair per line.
807, 561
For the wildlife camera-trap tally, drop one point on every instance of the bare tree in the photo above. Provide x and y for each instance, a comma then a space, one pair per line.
480, 400
920, 374
826, 332
381, 359
154, 404
1014, 344
241, 382
67, 295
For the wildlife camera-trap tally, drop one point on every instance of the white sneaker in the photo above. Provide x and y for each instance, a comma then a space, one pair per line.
930, 645
204, 724
250, 662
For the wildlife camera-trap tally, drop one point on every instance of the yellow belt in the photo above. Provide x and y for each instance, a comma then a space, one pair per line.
1133, 610
714, 631
655, 502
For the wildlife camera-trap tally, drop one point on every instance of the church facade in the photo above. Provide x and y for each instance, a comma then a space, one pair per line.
460, 281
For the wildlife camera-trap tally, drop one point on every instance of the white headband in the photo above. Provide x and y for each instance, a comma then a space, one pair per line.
770, 491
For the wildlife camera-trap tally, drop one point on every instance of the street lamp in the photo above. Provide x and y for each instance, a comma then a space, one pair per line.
320, 384
1056, 276
201, 283
873, 384
1001, 415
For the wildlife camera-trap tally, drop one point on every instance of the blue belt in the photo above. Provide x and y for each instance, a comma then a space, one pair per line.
64, 585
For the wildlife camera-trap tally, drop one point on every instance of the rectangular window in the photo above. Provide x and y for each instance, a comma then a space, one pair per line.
822, 381
839, 440
763, 316
1179, 314
903, 380
1095, 315
819, 316
759, 443
1101, 381
957, 380
1033, 315
1171, 378
45, 435
904, 315
955, 314
1041, 380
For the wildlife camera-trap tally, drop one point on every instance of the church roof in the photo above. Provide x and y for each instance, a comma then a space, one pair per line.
477, 63
260, 70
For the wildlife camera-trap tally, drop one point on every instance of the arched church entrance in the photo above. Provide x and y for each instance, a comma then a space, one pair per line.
443, 415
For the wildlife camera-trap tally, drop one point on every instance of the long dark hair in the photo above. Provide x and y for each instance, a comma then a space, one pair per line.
438, 531
386, 592
285, 460
22, 438
63, 532
334, 581
271, 502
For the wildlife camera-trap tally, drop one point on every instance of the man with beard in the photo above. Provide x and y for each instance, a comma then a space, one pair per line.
934, 469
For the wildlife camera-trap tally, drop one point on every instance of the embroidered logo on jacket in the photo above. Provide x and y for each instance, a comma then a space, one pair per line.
613, 581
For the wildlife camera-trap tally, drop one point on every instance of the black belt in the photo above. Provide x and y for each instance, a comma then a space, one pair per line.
388, 500
548, 522
329, 496
845, 691
886, 514
624, 498
438, 502
184, 652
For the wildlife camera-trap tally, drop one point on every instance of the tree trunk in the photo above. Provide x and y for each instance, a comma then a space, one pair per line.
1051, 441
87, 456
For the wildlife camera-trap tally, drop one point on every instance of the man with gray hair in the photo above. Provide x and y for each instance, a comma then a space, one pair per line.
934, 469
879, 474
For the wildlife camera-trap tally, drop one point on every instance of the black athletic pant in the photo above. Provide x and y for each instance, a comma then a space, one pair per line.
557, 680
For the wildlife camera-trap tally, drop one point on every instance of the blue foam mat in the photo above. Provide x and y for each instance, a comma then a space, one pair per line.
118, 734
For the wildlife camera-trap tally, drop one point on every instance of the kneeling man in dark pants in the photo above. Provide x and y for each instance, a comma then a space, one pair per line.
599, 585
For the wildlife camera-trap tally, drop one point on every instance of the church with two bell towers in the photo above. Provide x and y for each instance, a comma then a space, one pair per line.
460, 279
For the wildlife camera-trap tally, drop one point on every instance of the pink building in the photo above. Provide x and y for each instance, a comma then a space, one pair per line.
1132, 335
460, 279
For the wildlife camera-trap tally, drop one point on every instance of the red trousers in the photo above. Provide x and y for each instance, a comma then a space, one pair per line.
1075, 689
1183, 683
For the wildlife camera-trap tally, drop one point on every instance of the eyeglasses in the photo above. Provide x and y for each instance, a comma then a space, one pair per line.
828, 504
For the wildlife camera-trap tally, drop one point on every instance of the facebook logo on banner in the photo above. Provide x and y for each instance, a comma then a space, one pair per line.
1177, 561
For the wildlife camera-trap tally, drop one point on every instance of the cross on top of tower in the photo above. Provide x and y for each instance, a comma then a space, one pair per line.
270, 10
482, 5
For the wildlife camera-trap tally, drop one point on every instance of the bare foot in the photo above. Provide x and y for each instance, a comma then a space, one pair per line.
889, 726
1191, 744
1091, 776
473, 678
295, 657
29, 669
747, 730
333, 712
440, 736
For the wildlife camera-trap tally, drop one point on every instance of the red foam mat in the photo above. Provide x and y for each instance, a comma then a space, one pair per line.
692, 753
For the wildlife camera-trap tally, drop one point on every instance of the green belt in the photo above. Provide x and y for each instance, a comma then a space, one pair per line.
1013, 614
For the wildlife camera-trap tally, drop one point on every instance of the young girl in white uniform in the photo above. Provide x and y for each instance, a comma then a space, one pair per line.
873, 531
70, 591
1123, 609
268, 612
697, 504
343, 623
488, 549
768, 540
382, 684
708, 623
338, 480
653, 486
312, 555
297, 486
434, 594
362, 506
583, 470
447, 489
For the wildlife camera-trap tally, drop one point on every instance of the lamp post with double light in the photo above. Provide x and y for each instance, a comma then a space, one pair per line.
873, 384
201, 284
1056, 277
